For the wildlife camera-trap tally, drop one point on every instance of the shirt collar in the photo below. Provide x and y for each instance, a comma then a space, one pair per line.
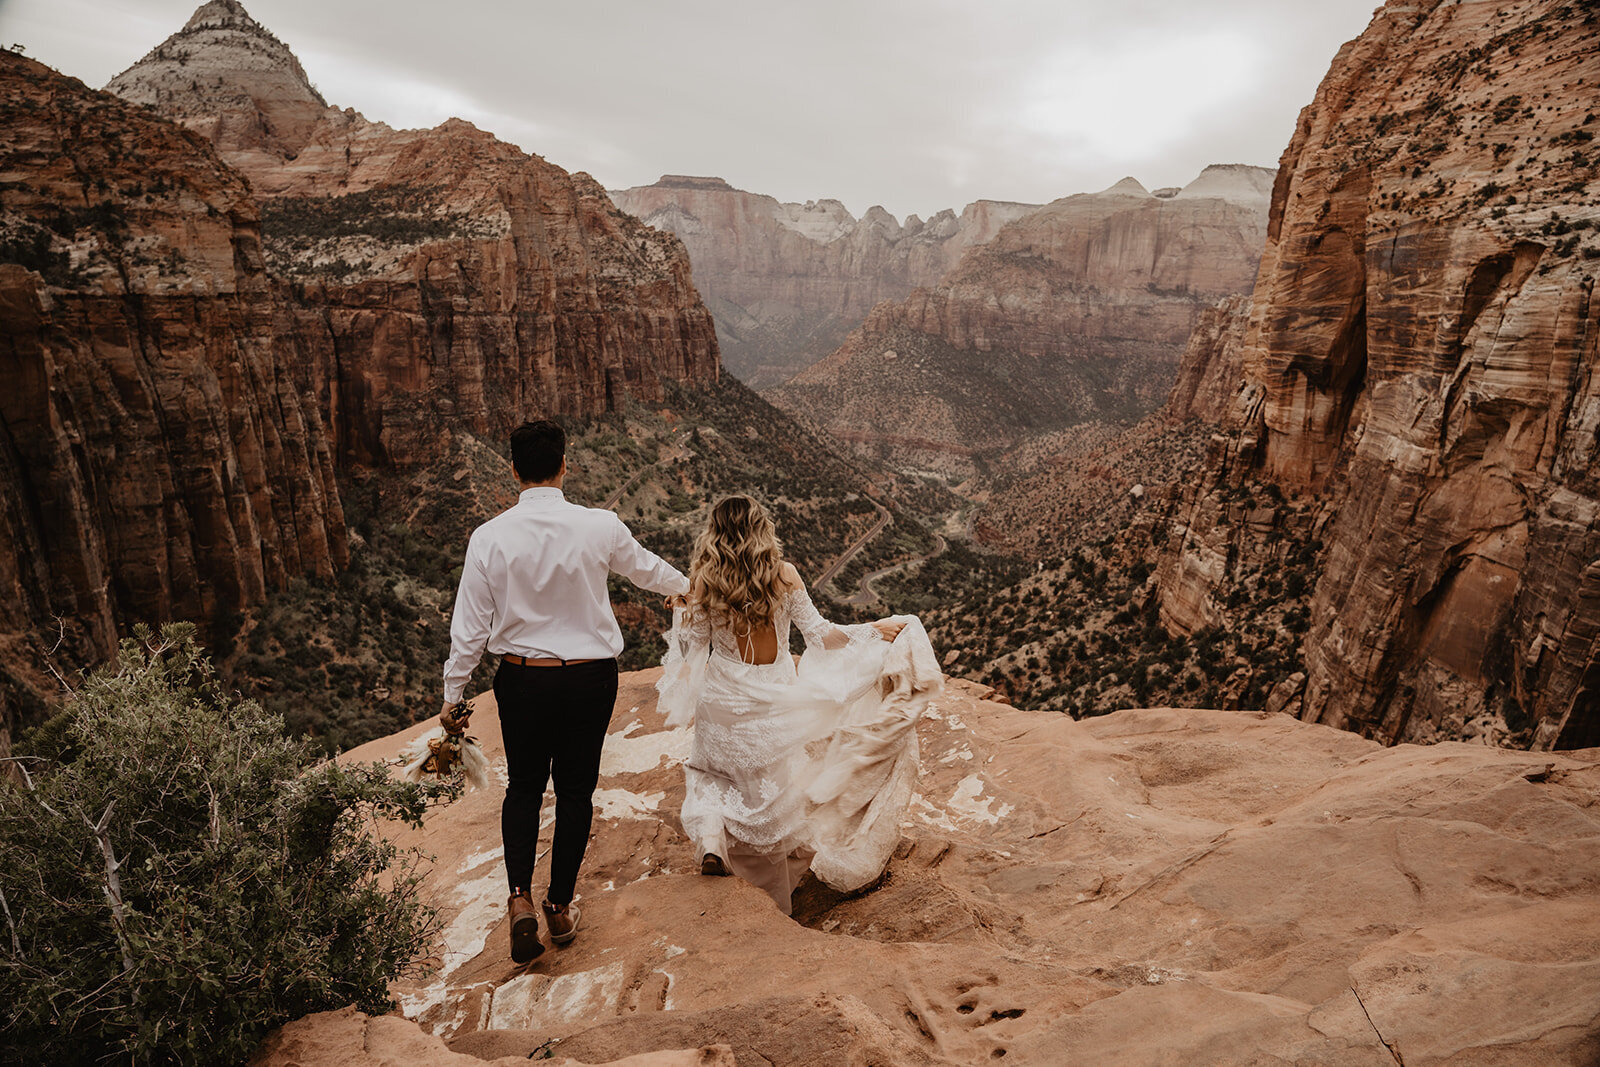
541, 494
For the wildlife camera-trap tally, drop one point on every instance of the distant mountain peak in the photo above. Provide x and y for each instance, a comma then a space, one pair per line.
1238, 182
218, 13
691, 181
1129, 186
226, 76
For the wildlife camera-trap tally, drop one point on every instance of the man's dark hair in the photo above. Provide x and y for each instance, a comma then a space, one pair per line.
537, 449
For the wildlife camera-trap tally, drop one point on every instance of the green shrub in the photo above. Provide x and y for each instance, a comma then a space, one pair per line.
179, 877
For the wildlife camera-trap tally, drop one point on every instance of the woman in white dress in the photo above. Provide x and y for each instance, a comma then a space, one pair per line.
749, 807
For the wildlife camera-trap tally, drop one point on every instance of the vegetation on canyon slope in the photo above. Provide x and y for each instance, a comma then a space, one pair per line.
1077, 628
1083, 635
179, 877
359, 657
1071, 626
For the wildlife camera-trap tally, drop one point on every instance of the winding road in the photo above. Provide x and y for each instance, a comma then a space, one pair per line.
611, 501
850, 553
864, 595
673, 452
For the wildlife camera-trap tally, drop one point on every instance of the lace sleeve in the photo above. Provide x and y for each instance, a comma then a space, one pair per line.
683, 668
819, 632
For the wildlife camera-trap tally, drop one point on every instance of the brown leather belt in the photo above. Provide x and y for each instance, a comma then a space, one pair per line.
524, 661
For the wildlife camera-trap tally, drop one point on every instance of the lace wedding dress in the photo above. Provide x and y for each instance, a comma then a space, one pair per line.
791, 766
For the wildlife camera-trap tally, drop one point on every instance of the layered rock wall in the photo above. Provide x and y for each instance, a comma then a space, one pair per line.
1078, 312
163, 458
1210, 368
1419, 354
191, 350
442, 278
788, 281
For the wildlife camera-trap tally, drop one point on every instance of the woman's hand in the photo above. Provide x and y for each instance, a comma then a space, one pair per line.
888, 629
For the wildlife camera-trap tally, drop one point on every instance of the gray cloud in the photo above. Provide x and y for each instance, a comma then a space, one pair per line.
914, 105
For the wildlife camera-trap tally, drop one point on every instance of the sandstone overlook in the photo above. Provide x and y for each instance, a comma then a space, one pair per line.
788, 281
1153, 886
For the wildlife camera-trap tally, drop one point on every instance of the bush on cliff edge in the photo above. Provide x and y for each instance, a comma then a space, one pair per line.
179, 877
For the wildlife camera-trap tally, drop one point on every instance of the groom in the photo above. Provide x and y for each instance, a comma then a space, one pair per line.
533, 592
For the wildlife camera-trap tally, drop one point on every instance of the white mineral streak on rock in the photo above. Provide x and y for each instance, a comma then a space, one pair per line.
931, 815
537, 1001
478, 859
626, 804
627, 754
416, 1005
964, 802
482, 902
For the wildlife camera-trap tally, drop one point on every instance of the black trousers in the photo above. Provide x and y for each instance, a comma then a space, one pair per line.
553, 720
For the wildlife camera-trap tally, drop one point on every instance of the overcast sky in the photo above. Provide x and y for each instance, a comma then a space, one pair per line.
917, 105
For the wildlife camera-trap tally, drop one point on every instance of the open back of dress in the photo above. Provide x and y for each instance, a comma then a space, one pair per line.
764, 733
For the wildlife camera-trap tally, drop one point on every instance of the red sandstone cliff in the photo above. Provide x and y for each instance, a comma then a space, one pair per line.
442, 278
787, 282
1419, 356
161, 456
1076, 312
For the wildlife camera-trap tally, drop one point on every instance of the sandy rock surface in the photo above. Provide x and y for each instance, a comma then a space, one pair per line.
1154, 886
353, 1039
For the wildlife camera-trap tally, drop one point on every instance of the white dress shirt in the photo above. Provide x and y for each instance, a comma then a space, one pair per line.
534, 584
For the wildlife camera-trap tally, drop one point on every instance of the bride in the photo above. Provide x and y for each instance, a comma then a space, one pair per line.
790, 767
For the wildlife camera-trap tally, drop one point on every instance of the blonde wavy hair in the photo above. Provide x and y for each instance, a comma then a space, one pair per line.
735, 574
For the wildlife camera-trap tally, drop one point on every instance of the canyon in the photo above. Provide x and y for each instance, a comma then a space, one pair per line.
210, 321
245, 337
439, 279
163, 456
1074, 313
787, 282
1415, 366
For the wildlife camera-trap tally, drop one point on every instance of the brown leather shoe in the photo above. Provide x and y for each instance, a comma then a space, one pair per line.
562, 919
712, 864
525, 943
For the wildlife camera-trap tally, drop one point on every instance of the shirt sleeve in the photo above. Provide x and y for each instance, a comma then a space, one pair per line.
642, 567
470, 623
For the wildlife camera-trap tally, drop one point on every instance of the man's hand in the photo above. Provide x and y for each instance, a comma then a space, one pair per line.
454, 717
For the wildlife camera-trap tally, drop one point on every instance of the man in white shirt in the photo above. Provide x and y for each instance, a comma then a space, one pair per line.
533, 592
